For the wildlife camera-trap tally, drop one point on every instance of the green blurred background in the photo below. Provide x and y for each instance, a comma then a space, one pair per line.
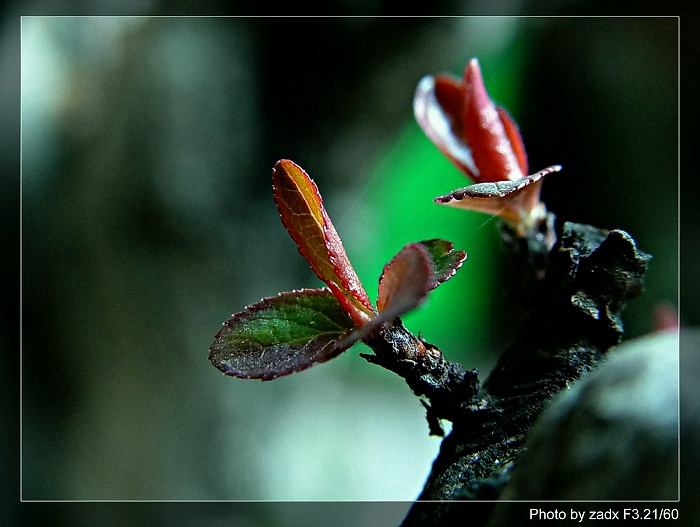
147, 220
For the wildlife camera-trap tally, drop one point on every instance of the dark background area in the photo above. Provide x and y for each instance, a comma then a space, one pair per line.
147, 220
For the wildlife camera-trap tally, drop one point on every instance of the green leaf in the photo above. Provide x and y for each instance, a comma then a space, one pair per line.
446, 260
281, 335
304, 216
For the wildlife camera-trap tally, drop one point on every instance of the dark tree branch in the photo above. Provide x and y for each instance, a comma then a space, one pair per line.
450, 390
573, 320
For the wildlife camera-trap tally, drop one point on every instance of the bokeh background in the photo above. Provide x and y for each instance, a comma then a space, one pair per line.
147, 220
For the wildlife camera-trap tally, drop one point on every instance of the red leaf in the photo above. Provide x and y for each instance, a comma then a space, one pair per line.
460, 118
406, 280
516, 140
304, 216
439, 109
485, 133
404, 284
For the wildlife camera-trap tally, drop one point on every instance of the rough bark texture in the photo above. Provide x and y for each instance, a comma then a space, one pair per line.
573, 320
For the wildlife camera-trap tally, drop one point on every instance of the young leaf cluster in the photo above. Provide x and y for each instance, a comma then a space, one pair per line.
296, 330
